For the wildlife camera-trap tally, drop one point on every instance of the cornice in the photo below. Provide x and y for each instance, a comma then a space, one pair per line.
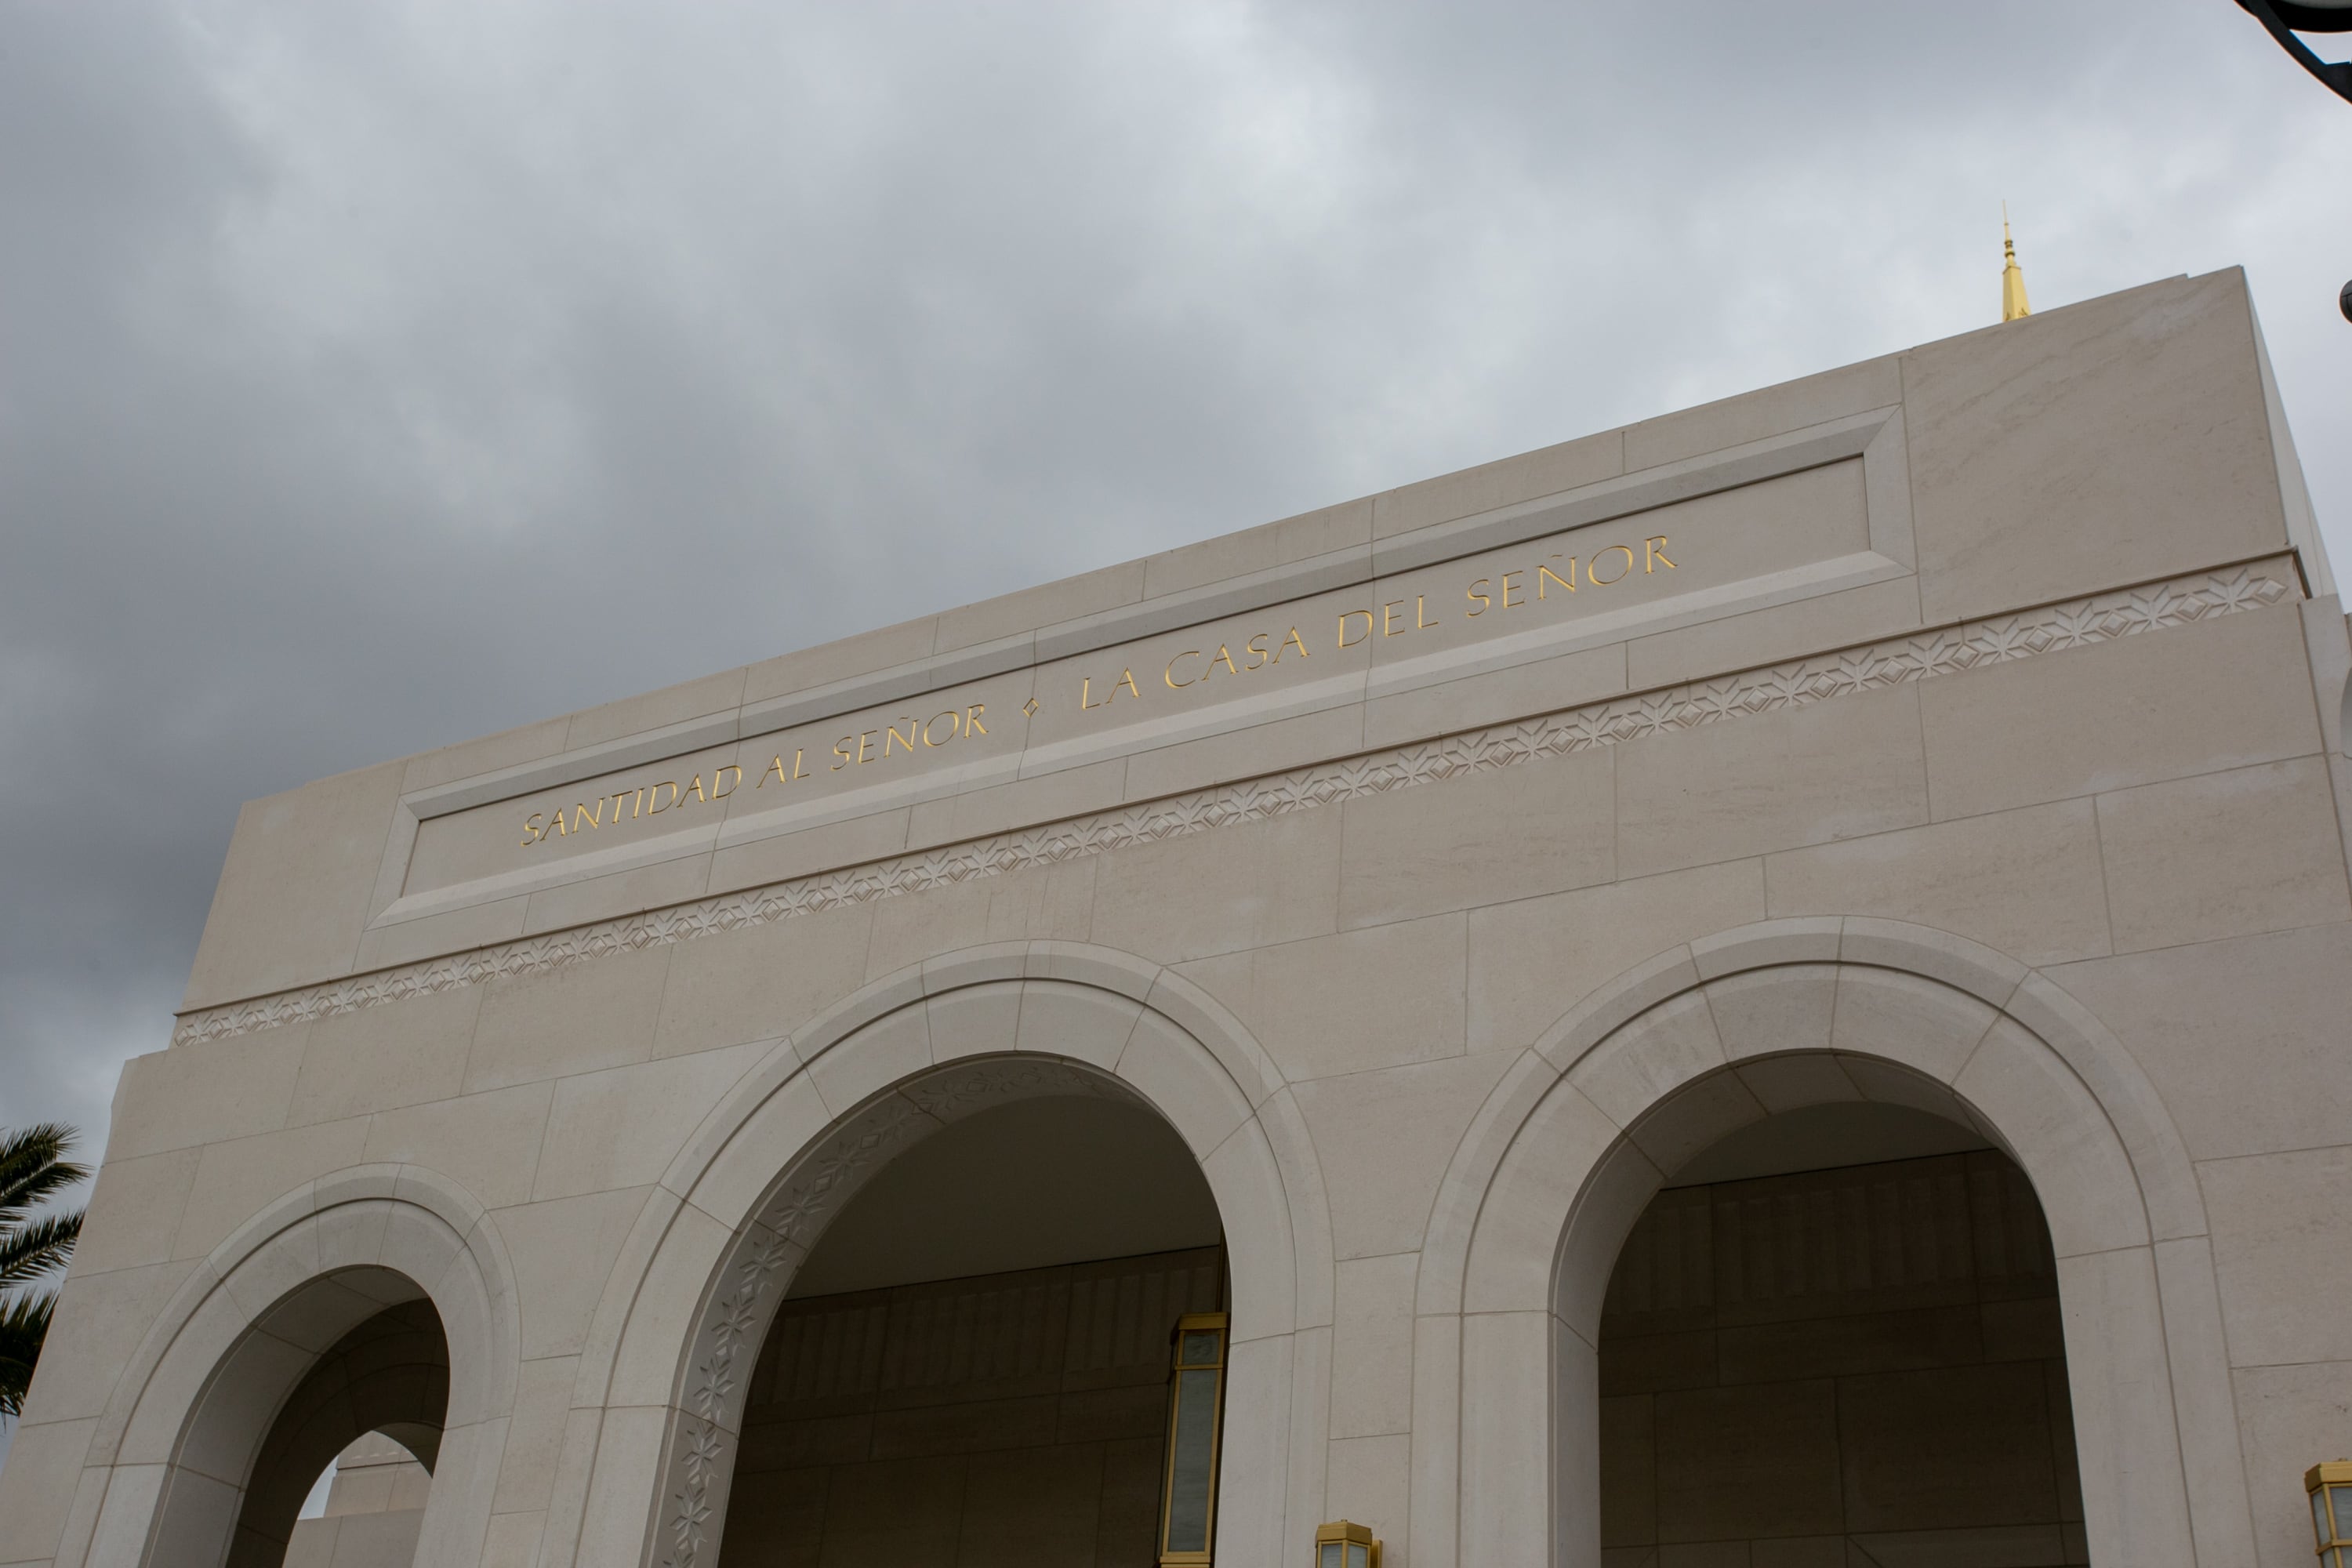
1895, 661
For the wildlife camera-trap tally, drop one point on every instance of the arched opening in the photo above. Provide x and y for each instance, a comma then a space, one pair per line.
1681, 1052
376, 1300
973, 1362
355, 1351
1832, 1337
386, 1377
366, 1508
900, 1062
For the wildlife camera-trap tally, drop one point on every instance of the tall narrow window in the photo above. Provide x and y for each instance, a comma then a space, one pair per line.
1196, 1397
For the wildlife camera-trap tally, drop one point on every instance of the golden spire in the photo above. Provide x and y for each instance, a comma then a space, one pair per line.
2013, 280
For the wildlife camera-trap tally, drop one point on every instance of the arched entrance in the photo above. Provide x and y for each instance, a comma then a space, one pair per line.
388, 1374
976, 1353
379, 1299
849, 1095
367, 1509
1833, 1336
1576, 1141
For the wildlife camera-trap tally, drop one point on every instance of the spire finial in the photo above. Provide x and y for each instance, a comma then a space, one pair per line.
2012, 278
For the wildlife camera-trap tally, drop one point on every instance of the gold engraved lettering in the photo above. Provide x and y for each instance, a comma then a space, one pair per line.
1260, 650
1593, 567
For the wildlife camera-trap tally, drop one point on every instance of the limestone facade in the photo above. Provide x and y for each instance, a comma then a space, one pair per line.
1959, 735
374, 1510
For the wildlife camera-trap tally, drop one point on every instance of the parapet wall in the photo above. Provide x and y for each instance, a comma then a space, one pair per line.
2124, 444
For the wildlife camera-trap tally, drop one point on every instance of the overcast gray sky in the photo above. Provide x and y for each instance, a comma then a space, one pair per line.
377, 375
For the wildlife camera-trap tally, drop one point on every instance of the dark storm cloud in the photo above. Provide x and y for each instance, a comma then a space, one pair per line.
375, 376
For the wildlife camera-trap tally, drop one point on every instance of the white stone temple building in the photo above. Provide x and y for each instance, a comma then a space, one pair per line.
1766, 988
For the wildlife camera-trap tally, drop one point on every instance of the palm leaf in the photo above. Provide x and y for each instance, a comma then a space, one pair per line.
32, 1166
33, 1245
30, 1252
24, 1324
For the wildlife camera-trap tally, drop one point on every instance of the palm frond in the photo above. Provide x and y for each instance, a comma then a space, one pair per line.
40, 1189
33, 1245
24, 1324
31, 1252
33, 1168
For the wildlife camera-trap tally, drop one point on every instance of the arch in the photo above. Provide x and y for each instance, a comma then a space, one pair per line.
389, 1374
1713, 1034
674, 1337
187, 1420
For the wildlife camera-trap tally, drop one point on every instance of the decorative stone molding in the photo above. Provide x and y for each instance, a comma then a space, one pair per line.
1895, 661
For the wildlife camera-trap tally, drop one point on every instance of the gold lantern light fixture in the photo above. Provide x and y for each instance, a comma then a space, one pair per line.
1343, 1544
2330, 1486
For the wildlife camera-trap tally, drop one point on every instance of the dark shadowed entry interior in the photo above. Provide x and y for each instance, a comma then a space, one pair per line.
1833, 1341
972, 1367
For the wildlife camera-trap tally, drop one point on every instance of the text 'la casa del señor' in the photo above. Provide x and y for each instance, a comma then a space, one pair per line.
907, 738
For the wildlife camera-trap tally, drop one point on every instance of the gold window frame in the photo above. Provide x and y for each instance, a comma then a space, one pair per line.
1193, 1324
